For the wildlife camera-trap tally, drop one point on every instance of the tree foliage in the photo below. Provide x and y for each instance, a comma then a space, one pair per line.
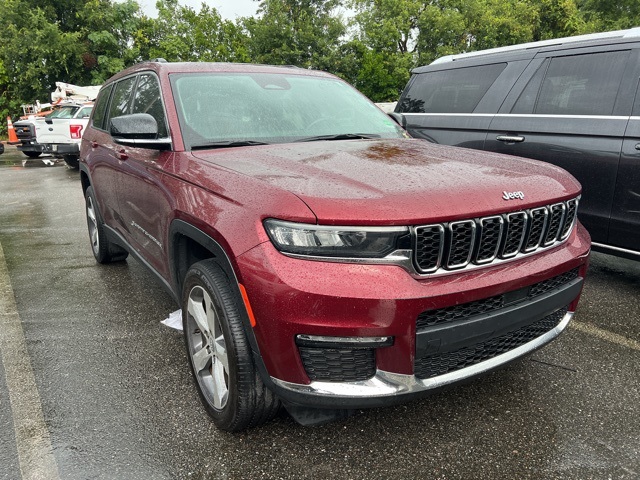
85, 42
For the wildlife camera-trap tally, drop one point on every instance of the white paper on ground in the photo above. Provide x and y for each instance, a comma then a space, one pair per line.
174, 320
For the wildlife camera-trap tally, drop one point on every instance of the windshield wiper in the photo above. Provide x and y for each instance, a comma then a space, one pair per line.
227, 144
339, 136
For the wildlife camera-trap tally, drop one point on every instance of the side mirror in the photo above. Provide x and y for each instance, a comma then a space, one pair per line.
137, 130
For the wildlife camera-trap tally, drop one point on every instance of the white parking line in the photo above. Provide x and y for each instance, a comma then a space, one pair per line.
591, 329
32, 437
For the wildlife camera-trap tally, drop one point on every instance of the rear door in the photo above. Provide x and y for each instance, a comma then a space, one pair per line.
454, 105
624, 230
573, 113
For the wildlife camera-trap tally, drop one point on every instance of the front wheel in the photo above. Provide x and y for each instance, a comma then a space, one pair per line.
219, 353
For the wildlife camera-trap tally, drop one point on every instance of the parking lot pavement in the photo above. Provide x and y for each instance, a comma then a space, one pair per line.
111, 394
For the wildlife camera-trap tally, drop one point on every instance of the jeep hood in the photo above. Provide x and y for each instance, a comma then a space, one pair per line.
403, 181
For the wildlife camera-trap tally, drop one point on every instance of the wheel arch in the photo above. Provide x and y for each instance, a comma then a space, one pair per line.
188, 245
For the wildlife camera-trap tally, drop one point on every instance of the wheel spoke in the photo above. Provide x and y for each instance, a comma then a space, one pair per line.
91, 214
196, 310
220, 352
220, 390
201, 358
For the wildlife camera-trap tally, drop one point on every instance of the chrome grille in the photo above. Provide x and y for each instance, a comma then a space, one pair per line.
463, 244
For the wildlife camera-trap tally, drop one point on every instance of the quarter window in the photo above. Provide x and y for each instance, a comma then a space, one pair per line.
450, 91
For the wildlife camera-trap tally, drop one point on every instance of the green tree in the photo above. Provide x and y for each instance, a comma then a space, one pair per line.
182, 34
305, 33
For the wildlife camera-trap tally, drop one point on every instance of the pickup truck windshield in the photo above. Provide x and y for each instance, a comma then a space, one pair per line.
274, 108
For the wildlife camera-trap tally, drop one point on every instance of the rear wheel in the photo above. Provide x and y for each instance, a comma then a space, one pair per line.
104, 251
219, 353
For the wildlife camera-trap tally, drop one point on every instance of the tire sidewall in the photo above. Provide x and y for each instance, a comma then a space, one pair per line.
224, 418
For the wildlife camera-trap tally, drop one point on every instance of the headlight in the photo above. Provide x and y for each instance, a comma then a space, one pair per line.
346, 242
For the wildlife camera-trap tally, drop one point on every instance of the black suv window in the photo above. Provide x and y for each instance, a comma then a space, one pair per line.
121, 100
101, 108
148, 100
450, 91
580, 85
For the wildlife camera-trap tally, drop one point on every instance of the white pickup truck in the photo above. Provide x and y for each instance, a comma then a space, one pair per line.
58, 134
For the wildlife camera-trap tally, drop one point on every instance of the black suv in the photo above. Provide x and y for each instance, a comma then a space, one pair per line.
574, 102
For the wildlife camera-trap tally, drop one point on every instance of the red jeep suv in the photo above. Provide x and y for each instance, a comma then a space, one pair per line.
323, 260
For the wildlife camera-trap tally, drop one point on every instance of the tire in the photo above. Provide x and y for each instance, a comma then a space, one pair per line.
219, 353
73, 161
103, 250
32, 154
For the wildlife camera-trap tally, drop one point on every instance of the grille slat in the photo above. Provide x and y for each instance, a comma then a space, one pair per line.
462, 244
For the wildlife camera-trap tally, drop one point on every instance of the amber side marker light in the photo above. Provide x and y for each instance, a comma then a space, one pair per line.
245, 299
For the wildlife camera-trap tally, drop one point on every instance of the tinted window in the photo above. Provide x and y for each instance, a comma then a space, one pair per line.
121, 100
101, 108
148, 100
527, 99
450, 91
582, 84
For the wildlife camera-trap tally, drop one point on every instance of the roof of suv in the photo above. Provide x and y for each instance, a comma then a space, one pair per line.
532, 48
161, 66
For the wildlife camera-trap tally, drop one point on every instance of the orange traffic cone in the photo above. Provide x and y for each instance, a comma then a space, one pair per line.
13, 138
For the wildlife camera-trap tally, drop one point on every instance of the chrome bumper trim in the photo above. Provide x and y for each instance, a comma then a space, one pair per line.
388, 384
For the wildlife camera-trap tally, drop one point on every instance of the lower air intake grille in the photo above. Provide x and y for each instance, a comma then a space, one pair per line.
338, 365
440, 364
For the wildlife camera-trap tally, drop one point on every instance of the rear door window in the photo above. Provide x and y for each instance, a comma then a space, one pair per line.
456, 90
576, 85
99, 117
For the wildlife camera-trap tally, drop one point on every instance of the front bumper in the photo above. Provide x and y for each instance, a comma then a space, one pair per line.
292, 297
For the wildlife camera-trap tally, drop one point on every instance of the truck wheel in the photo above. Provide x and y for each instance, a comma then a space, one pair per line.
32, 154
103, 250
219, 353
72, 161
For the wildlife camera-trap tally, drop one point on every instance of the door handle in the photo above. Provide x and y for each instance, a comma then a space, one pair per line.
510, 138
637, 146
121, 154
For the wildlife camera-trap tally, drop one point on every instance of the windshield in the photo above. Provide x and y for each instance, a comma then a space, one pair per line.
227, 108
63, 112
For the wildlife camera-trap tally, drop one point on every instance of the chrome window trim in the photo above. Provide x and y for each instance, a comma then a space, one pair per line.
528, 115
389, 384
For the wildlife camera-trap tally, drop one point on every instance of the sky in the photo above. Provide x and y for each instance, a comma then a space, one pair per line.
229, 9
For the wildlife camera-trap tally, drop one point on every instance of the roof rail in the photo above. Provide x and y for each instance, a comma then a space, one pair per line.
630, 33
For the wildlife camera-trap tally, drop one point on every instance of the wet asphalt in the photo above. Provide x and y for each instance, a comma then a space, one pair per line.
112, 397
